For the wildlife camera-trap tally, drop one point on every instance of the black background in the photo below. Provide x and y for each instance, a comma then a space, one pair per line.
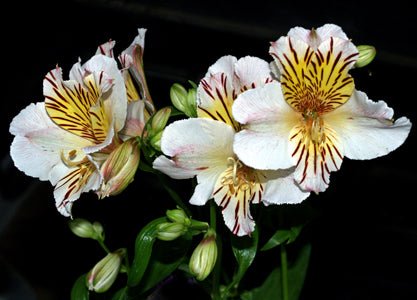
365, 240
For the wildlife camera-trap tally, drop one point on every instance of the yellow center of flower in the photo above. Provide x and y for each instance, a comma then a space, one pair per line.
314, 128
237, 176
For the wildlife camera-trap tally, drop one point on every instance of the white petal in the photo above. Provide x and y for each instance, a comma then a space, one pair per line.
314, 39
198, 143
282, 189
314, 161
115, 100
225, 64
331, 30
167, 166
77, 72
300, 33
268, 119
106, 48
197, 147
126, 57
252, 72
366, 127
64, 197
39, 142
206, 180
135, 119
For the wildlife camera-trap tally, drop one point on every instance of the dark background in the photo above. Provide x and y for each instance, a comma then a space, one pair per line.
365, 240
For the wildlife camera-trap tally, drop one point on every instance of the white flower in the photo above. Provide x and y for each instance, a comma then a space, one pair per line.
63, 138
203, 147
314, 117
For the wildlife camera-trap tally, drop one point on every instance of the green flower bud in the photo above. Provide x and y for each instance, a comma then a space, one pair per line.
204, 257
191, 108
170, 231
159, 121
366, 55
84, 229
104, 273
156, 141
178, 96
184, 101
119, 169
178, 216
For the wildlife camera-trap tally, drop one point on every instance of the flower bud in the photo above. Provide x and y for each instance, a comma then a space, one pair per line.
178, 216
104, 273
366, 55
119, 169
178, 96
156, 141
159, 121
184, 101
191, 108
204, 257
170, 231
83, 228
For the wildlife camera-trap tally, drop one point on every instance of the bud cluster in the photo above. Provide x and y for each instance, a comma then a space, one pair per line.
178, 225
85, 229
183, 100
158, 123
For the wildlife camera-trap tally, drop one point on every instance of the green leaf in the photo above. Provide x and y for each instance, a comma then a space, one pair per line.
271, 288
79, 290
121, 294
143, 250
283, 236
192, 84
166, 257
244, 249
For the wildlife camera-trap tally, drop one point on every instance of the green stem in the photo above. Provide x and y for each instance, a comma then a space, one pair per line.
284, 272
215, 294
127, 264
213, 215
173, 194
101, 242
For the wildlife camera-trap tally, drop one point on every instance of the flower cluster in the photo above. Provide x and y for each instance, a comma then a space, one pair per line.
273, 133
256, 132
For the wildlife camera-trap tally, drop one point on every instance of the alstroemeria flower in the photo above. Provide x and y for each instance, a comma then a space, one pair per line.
203, 147
67, 137
314, 117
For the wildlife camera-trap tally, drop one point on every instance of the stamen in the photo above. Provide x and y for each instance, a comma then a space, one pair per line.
237, 177
314, 128
69, 161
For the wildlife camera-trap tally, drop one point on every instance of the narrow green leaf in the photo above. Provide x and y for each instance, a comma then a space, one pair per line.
279, 237
173, 193
143, 250
192, 84
271, 288
79, 290
244, 249
283, 236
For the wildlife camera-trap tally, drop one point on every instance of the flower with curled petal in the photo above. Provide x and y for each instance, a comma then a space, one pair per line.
66, 138
203, 147
314, 116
